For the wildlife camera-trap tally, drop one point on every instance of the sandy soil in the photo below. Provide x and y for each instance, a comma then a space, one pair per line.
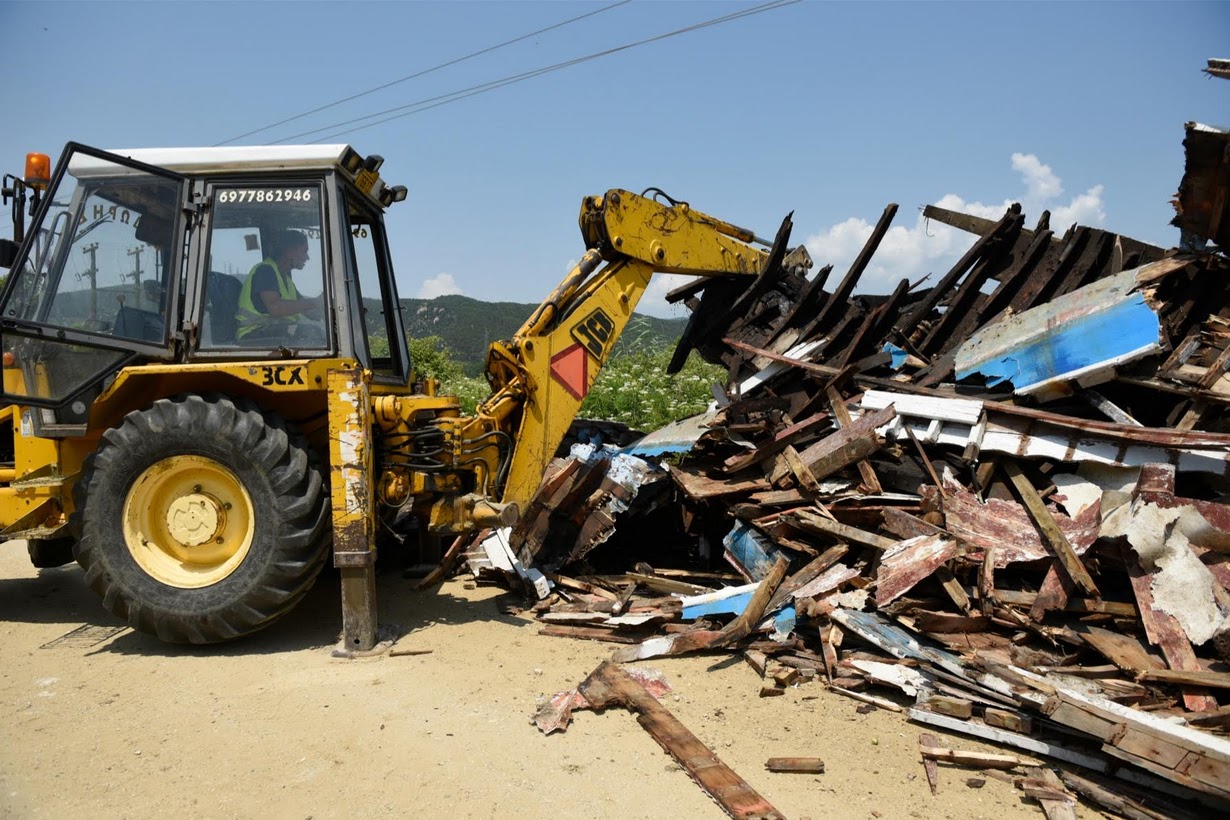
120, 725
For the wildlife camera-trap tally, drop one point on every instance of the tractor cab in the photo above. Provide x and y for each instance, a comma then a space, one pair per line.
150, 256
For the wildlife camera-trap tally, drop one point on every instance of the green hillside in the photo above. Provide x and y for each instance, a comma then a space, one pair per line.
467, 326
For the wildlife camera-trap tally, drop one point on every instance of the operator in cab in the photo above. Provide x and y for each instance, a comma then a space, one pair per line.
271, 309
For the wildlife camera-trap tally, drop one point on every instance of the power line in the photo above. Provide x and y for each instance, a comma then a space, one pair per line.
391, 83
454, 96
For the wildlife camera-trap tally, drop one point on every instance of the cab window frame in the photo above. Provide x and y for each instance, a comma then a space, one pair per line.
212, 186
397, 371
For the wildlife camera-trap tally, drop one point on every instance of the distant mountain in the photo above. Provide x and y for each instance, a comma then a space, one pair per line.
467, 325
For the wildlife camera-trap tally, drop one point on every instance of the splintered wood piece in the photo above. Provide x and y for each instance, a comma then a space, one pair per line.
1050, 530
812, 522
844, 447
700, 487
1046, 788
609, 685
1056, 589
907, 563
966, 758
800, 471
807, 574
808, 765
986, 583
451, 558
589, 633
953, 707
1011, 721
1110, 800
881, 703
748, 619
1124, 651
927, 740
581, 586
842, 414
1218, 680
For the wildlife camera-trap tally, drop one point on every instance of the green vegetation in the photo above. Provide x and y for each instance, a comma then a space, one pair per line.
632, 389
635, 389
433, 360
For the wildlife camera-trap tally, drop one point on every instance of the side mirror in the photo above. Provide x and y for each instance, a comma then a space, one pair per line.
8, 252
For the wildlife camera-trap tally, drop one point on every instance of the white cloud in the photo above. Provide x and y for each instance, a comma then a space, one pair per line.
1040, 180
442, 284
926, 247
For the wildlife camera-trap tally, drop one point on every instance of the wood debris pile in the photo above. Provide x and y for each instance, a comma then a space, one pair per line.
1004, 496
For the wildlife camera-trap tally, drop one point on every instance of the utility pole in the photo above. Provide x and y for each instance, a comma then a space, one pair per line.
136, 272
91, 250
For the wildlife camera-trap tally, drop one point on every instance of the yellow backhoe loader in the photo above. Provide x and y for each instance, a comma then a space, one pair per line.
197, 448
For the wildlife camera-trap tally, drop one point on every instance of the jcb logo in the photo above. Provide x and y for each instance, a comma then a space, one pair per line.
593, 332
282, 375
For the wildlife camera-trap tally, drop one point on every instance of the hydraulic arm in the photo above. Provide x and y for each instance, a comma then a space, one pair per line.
540, 377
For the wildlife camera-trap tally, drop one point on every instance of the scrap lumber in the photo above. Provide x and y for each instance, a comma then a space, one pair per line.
843, 447
609, 685
853, 465
805, 765
981, 760
930, 767
1044, 786
1050, 530
1108, 799
906, 563
749, 618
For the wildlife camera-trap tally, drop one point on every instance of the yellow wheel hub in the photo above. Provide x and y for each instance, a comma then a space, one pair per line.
188, 521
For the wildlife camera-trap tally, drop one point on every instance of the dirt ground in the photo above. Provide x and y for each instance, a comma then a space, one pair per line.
111, 723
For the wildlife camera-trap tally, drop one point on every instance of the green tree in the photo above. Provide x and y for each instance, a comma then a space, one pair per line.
433, 360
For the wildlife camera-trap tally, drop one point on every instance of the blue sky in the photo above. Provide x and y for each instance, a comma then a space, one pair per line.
831, 110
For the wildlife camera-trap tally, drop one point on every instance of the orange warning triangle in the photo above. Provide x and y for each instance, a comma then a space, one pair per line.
570, 367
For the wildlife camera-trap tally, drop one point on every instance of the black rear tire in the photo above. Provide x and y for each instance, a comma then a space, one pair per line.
268, 505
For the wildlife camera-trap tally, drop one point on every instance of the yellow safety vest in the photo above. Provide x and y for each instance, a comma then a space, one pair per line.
249, 318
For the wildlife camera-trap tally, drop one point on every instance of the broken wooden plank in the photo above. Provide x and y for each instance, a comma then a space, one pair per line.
843, 447
609, 685
981, 760
882, 703
581, 586
588, 633
1010, 738
953, 707
699, 487
806, 765
1108, 799
1050, 529
812, 522
749, 618
838, 405
1192, 677
905, 564
930, 767
1085, 605
807, 574
1045, 787
1126, 652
